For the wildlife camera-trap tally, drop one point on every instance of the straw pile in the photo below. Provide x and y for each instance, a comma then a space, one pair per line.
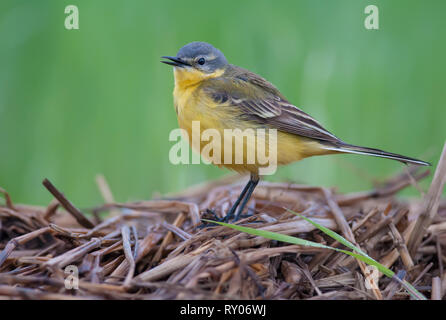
159, 249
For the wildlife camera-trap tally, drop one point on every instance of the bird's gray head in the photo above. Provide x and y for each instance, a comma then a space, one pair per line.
198, 55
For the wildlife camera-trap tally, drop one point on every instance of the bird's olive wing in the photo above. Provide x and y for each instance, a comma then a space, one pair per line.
252, 103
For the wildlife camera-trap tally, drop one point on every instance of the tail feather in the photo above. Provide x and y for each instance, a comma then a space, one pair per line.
348, 148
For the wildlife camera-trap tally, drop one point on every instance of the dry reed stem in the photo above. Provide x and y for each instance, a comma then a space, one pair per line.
430, 205
436, 290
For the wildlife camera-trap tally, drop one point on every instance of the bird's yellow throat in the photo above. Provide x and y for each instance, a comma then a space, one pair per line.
187, 77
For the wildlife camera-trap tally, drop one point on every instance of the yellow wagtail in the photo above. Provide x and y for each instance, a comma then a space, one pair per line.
223, 96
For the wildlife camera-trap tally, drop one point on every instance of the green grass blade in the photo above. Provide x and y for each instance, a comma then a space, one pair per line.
271, 235
332, 234
416, 294
359, 254
294, 240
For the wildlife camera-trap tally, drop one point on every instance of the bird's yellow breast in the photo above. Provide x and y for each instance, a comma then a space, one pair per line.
191, 104
186, 82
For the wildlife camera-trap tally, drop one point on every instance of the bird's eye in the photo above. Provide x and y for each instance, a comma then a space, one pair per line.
201, 61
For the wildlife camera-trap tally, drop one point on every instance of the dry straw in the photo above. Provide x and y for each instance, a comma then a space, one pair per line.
160, 249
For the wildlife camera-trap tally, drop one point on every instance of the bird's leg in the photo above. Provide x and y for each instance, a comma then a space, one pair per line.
253, 181
231, 211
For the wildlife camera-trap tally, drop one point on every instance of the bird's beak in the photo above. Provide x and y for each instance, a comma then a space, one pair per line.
174, 61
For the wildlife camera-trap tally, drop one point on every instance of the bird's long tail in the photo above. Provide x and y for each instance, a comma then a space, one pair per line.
348, 148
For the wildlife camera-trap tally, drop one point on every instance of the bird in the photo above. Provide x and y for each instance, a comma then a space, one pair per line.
224, 96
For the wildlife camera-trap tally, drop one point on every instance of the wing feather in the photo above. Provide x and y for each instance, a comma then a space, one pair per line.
255, 99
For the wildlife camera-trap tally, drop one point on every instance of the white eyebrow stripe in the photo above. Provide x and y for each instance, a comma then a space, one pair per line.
210, 57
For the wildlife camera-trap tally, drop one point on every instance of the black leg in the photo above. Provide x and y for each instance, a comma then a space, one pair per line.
252, 185
231, 211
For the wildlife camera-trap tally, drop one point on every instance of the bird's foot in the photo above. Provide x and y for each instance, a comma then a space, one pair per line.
229, 218
210, 215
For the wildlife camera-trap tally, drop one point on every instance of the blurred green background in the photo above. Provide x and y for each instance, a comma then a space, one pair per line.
97, 100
